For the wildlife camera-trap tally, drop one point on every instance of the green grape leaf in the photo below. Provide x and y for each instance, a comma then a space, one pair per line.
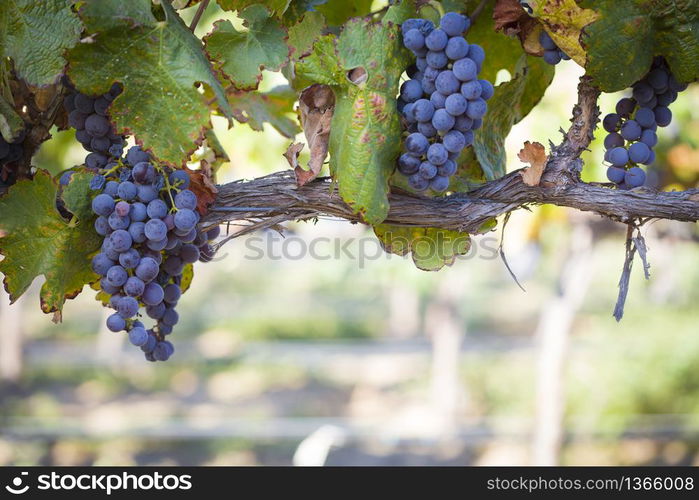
564, 20
35, 35
36, 240
363, 67
101, 16
303, 34
273, 107
431, 249
399, 12
337, 12
158, 63
241, 55
622, 43
275, 6
11, 124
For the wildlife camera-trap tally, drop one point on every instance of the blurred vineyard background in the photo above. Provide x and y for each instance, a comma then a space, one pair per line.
362, 359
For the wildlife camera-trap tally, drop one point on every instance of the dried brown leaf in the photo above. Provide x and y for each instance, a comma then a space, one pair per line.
292, 154
203, 185
316, 106
533, 153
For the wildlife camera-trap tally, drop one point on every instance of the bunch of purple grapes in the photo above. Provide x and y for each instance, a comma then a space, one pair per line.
552, 52
443, 102
148, 218
632, 129
93, 129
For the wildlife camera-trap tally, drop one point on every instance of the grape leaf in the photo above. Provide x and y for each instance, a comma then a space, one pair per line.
241, 55
399, 12
337, 12
303, 34
158, 63
101, 16
35, 35
363, 67
36, 240
431, 248
564, 21
275, 6
273, 107
622, 43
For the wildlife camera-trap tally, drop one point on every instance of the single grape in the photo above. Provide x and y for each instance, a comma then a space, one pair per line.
137, 232
625, 107
413, 40
465, 69
447, 83
546, 41
102, 226
103, 204
136, 155
436, 40
437, 154
155, 230
185, 219
477, 54
645, 117
616, 174
121, 240
147, 269
407, 165
170, 317
157, 245
442, 120
456, 104
186, 199
457, 48
639, 152
111, 188
134, 286
146, 194
454, 141
101, 264
472, 90
613, 140
552, 57
172, 293
437, 60
116, 323
454, 23
439, 183
658, 79
156, 311
438, 99
635, 177
122, 208
618, 157
127, 191
423, 110
117, 276
118, 222
173, 265
667, 98
611, 122
153, 294
649, 138
448, 169
411, 90
143, 173
180, 179
463, 123
487, 89
157, 209
163, 351
663, 116
417, 182
127, 307
138, 212
631, 130
108, 288
476, 109
427, 129
130, 258
138, 336
190, 253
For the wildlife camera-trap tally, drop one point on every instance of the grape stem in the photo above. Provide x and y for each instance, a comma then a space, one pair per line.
197, 16
477, 11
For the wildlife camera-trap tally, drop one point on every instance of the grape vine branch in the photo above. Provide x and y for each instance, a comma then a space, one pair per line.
275, 198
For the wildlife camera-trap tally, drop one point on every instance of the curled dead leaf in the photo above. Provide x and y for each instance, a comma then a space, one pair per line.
316, 106
533, 153
510, 17
292, 155
203, 185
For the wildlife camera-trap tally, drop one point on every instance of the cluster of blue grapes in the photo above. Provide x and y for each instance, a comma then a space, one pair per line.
148, 218
443, 102
93, 129
552, 52
632, 129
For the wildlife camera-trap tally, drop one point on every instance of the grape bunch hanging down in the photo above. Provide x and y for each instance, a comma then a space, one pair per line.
443, 102
552, 52
632, 129
148, 218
